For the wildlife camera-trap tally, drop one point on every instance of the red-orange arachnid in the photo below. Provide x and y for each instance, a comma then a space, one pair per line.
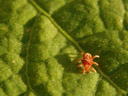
87, 62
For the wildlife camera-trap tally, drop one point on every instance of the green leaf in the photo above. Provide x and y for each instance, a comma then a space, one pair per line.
41, 40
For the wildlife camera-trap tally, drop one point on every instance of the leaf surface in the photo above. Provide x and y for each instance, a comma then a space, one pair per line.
40, 40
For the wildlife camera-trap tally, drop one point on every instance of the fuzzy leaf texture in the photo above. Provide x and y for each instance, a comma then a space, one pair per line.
40, 40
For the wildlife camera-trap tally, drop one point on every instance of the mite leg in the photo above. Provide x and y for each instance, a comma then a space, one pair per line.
82, 53
89, 70
93, 69
77, 61
79, 65
96, 56
95, 63
84, 70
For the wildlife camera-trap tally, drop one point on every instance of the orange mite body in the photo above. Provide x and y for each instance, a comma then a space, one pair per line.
87, 62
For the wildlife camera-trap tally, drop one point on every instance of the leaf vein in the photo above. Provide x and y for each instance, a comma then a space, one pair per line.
27, 57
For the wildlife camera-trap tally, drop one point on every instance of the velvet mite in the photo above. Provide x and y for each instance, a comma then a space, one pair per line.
87, 62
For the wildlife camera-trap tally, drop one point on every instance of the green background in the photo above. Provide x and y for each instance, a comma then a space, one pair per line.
39, 41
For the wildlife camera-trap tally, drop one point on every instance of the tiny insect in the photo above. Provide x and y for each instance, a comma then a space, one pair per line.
87, 62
